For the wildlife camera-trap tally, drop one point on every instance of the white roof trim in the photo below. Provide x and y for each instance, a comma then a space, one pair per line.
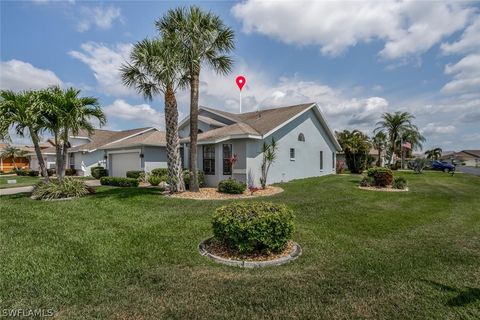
320, 117
80, 137
230, 137
187, 118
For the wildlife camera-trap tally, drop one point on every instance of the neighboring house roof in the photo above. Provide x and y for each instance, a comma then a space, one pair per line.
475, 153
462, 155
101, 138
150, 138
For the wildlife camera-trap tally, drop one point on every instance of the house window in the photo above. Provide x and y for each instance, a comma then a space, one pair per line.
292, 154
333, 160
71, 160
321, 160
227, 154
209, 159
301, 137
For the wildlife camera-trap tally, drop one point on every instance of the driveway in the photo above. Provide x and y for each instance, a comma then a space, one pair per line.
470, 170
28, 189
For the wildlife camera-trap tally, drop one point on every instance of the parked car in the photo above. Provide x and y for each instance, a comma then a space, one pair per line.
443, 166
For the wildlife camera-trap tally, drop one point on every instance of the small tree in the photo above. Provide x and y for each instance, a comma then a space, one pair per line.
269, 152
434, 154
12, 152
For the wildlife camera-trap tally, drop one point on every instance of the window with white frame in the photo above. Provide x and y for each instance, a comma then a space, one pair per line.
209, 159
292, 154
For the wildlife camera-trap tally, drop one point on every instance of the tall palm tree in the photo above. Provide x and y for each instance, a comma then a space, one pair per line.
395, 124
156, 67
12, 152
18, 111
205, 40
434, 153
68, 113
379, 142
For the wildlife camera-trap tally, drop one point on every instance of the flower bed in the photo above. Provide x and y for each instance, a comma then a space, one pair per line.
214, 194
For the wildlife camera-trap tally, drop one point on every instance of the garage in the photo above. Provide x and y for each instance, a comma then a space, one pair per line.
123, 162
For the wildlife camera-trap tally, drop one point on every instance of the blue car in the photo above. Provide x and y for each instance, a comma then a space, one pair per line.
443, 166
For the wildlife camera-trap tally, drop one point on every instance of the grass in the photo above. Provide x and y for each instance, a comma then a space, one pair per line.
131, 254
21, 181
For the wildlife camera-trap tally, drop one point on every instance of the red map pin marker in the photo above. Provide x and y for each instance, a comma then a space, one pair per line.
240, 80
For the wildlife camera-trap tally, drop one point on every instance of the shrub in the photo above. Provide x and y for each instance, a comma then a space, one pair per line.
231, 186
382, 176
201, 178
24, 173
159, 172
418, 164
134, 174
50, 172
118, 182
154, 180
399, 183
70, 172
253, 226
367, 182
98, 172
68, 188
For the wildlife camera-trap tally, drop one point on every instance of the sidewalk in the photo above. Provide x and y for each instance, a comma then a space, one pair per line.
28, 189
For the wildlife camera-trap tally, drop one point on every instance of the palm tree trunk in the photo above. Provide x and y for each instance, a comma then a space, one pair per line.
175, 178
194, 83
58, 156
38, 152
379, 162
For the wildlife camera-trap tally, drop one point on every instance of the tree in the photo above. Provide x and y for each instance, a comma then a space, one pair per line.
66, 113
356, 146
395, 125
434, 154
18, 111
12, 152
379, 142
156, 67
269, 154
204, 39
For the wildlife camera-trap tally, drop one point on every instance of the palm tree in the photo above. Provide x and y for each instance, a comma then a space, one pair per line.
356, 146
379, 142
395, 124
269, 154
434, 153
156, 67
12, 152
67, 114
17, 110
415, 138
204, 39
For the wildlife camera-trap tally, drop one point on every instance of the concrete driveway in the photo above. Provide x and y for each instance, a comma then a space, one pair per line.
469, 170
28, 189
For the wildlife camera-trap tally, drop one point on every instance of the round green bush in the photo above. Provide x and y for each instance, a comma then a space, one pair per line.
399, 183
253, 226
382, 176
154, 180
231, 186
134, 174
367, 182
98, 172
159, 172
186, 178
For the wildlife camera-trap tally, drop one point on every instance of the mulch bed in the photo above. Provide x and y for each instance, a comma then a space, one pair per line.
384, 189
213, 194
217, 248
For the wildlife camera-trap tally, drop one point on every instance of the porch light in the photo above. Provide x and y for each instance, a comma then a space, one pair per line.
141, 155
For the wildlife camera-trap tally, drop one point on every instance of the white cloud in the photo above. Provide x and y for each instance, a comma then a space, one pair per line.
435, 128
406, 27
469, 41
143, 114
105, 63
466, 75
19, 75
102, 17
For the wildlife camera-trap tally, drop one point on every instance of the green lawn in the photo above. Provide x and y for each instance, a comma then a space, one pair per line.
131, 254
21, 181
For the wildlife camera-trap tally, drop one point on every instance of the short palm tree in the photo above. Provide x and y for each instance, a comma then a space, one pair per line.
17, 111
67, 113
156, 67
269, 154
394, 125
434, 153
12, 152
356, 146
204, 39
379, 142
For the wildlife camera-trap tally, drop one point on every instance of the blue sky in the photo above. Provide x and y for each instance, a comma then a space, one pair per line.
356, 59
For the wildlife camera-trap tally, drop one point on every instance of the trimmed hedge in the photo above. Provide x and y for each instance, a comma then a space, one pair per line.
118, 182
382, 176
159, 172
231, 186
253, 226
135, 174
70, 172
154, 180
25, 173
98, 172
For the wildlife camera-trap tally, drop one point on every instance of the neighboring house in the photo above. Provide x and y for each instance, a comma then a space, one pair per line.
470, 158
307, 146
6, 164
374, 154
118, 151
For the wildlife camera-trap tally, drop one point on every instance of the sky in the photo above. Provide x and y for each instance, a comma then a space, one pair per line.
356, 59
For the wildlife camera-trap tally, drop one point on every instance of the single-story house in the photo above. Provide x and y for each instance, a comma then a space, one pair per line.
469, 158
23, 162
306, 146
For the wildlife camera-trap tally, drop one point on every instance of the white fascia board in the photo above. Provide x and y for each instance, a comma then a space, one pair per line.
233, 137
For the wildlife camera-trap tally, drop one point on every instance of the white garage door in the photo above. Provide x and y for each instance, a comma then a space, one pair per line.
123, 162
